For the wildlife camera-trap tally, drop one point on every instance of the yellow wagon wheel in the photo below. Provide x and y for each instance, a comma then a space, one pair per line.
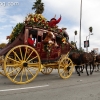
2, 65
2, 70
26, 64
47, 70
65, 68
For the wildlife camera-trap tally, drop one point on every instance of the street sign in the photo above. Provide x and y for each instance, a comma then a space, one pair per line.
86, 43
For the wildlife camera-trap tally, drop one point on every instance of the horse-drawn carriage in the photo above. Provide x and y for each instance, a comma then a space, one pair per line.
21, 63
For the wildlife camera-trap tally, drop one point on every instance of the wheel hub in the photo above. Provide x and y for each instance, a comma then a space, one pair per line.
25, 64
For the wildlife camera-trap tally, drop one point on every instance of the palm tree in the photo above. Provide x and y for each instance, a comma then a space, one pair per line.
38, 6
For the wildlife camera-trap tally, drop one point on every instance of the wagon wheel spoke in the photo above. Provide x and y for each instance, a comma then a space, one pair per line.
11, 69
26, 74
25, 53
21, 53
13, 59
62, 72
14, 65
30, 72
63, 63
17, 74
22, 72
32, 59
9, 72
16, 55
29, 56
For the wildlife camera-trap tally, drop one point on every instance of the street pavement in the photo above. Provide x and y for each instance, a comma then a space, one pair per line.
52, 87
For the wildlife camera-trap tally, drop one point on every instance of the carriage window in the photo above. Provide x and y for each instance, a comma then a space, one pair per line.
44, 35
39, 38
33, 32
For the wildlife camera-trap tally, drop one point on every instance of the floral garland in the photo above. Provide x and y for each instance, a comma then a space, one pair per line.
36, 20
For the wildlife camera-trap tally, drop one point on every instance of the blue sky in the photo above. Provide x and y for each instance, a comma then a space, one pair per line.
10, 15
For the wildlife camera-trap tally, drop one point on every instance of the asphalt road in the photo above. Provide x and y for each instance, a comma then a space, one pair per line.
52, 87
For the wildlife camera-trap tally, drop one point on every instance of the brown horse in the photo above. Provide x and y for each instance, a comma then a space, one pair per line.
97, 62
84, 58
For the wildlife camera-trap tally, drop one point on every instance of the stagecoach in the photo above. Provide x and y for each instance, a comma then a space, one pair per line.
21, 63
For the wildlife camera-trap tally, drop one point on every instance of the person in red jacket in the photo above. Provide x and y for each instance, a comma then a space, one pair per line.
54, 21
30, 41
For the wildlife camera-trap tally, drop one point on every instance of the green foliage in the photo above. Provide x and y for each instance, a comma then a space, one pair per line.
16, 31
38, 7
2, 45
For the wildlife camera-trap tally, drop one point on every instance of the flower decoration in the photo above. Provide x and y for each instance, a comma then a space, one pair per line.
64, 40
36, 20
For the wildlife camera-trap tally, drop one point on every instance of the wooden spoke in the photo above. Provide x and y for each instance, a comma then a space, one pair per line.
22, 75
16, 55
29, 55
32, 59
25, 53
12, 59
21, 53
14, 65
12, 71
30, 72
26, 74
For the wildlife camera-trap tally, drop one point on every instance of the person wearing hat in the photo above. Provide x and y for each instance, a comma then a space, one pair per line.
54, 21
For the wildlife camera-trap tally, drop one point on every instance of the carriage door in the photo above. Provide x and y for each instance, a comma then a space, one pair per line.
39, 41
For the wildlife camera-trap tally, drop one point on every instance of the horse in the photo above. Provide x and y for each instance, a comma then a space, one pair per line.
76, 58
81, 59
97, 62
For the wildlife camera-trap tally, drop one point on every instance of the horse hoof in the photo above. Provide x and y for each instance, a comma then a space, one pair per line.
90, 73
81, 71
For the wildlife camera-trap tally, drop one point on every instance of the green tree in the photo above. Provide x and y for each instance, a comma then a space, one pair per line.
2, 45
38, 6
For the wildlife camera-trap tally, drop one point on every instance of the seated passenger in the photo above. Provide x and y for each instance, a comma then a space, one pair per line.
30, 40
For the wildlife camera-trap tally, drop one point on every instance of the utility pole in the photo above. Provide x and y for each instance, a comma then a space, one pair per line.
80, 25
